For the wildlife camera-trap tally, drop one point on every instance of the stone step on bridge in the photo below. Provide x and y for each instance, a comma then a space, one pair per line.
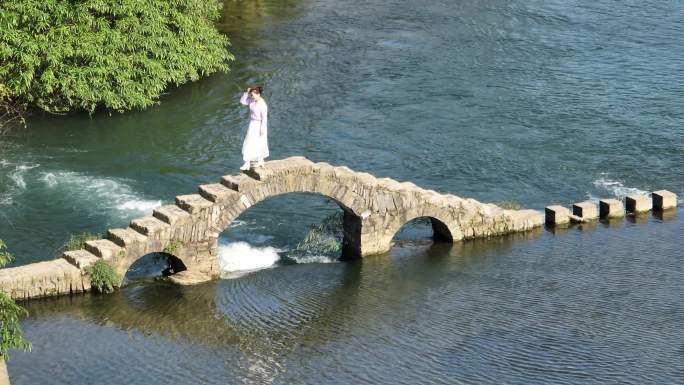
374, 210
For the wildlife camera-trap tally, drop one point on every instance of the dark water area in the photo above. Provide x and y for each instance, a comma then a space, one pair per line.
536, 102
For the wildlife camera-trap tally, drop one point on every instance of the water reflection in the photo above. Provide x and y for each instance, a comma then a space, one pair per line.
289, 303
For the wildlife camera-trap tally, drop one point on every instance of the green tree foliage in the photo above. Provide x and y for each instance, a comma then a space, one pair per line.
103, 278
10, 330
61, 55
11, 112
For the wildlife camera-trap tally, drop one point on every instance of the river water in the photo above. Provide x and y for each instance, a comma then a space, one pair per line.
536, 102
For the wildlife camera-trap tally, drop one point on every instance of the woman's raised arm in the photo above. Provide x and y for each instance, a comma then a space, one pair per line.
245, 99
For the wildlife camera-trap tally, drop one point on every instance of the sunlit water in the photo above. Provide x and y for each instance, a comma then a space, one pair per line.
536, 102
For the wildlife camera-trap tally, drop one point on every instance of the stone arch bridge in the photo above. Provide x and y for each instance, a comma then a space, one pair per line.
374, 210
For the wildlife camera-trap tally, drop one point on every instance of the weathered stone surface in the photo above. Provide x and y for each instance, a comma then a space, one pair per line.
637, 203
586, 210
323, 170
259, 173
125, 237
80, 258
522, 220
217, 193
193, 203
171, 214
188, 277
557, 215
239, 183
611, 208
43, 279
663, 200
149, 226
104, 248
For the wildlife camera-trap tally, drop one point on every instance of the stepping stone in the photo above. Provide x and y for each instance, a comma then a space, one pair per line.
663, 200
611, 208
637, 203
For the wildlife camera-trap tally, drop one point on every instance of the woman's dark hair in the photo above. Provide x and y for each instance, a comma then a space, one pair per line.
257, 89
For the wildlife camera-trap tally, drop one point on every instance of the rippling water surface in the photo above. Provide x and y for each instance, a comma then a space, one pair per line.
536, 102
595, 305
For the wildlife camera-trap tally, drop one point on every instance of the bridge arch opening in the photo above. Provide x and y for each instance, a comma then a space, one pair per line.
423, 228
153, 265
284, 229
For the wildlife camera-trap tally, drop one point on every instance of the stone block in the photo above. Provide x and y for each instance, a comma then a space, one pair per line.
388, 184
217, 193
366, 179
322, 169
240, 183
171, 214
80, 258
193, 203
557, 215
611, 208
342, 172
292, 165
260, 173
245, 201
125, 237
519, 220
637, 203
586, 210
149, 225
104, 248
663, 200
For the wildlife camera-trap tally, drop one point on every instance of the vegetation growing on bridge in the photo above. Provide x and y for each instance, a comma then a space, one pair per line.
322, 239
10, 331
173, 247
103, 278
61, 55
78, 241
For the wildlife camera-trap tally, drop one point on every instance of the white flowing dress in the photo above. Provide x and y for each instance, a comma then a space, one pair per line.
255, 146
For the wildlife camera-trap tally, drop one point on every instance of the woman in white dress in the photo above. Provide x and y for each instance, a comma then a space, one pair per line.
255, 146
